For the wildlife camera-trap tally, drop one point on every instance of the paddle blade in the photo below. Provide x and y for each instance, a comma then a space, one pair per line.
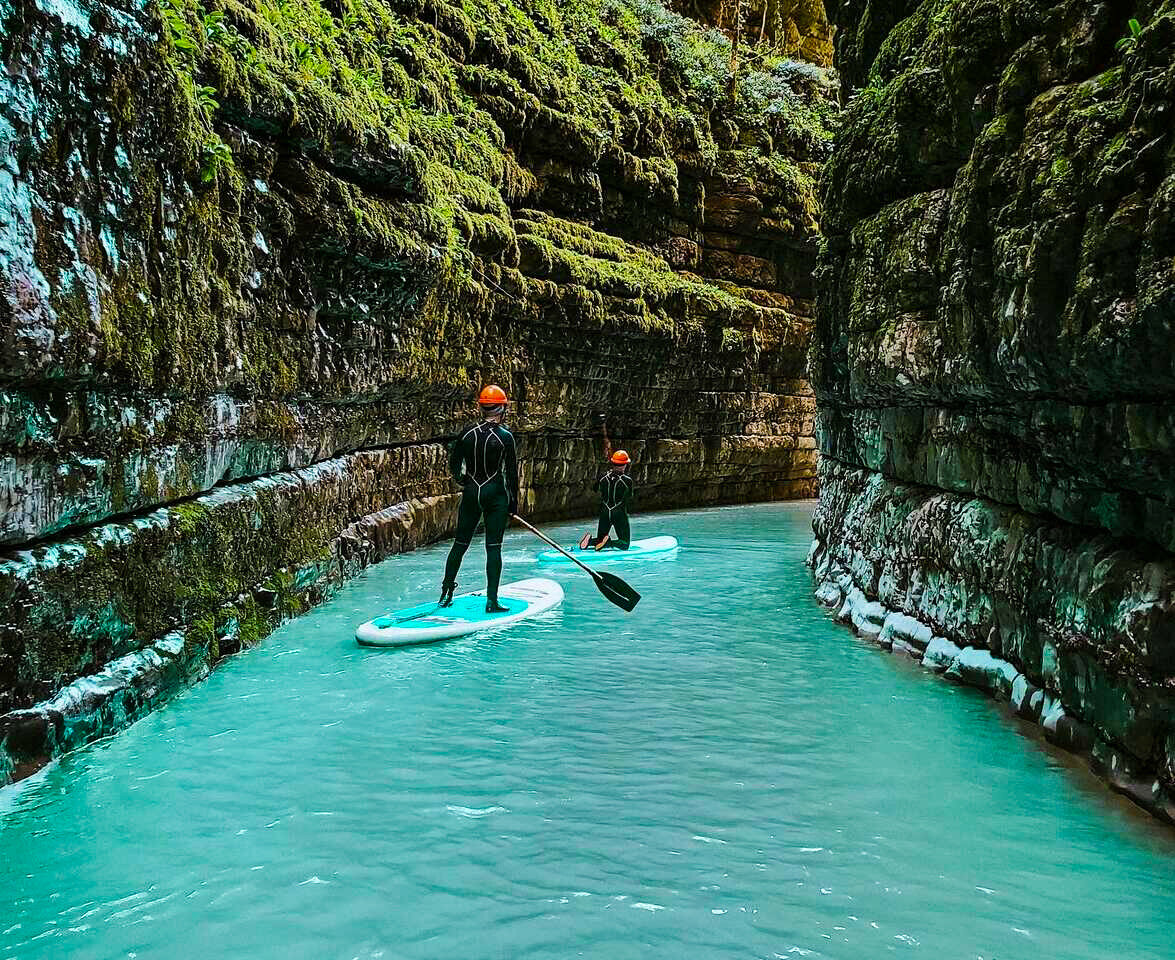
616, 590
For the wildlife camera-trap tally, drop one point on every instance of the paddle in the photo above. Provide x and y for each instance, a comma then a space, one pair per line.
612, 587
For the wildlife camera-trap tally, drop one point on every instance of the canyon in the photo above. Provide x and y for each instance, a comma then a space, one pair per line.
256, 260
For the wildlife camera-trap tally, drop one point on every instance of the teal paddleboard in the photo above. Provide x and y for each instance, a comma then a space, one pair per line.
427, 622
637, 550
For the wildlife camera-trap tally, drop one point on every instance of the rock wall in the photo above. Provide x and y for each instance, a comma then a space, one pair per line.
799, 27
993, 354
255, 259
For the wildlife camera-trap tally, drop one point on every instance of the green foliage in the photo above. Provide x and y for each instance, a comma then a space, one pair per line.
187, 29
214, 155
574, 253
429, 96
1128, 41
206, 101
214, 28
699, 60
175, 25
607, 70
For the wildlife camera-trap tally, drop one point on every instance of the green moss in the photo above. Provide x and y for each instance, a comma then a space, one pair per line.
734, 341
373, 143
202, 633
574, 253
402, 80
997, 129
187, 516
1110, 78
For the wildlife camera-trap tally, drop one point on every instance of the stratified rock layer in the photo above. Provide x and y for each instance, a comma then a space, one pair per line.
255, 260
993, 351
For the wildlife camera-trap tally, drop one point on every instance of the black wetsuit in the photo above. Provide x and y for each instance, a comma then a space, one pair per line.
616, 491
484, 461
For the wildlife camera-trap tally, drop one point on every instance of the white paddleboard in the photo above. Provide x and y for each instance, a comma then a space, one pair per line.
427, 622
637, 550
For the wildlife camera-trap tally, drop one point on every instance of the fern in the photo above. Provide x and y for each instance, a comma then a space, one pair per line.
1128, 41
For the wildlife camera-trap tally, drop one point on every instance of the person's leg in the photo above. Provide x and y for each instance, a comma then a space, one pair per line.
602, 527
497, 515
623, 534
468, 513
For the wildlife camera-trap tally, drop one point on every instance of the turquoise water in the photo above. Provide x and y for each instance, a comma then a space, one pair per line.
723, 773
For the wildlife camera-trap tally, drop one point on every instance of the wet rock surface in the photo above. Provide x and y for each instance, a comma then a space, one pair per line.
1072, 628
993, 359
173, 321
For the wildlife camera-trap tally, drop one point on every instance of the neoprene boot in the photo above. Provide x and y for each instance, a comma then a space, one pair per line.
492, 606
447, 594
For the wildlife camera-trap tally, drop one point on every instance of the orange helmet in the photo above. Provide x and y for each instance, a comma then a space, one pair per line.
492, 396
620, 457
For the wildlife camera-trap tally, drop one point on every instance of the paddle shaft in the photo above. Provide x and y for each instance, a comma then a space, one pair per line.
611, 586
547, 540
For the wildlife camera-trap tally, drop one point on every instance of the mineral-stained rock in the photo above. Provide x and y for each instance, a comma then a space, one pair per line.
993, 350
940, 654
1027, 699
904, 648
255, 260
904, 629
980, 669
1070, 609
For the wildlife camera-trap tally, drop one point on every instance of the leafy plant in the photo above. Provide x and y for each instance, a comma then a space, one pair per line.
302, 52
214, 28
175, 25
206, 100
215, 155
801, 75
1128, 41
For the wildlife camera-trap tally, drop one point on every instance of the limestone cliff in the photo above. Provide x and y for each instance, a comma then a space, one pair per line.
798, 27
256, 257
993, 358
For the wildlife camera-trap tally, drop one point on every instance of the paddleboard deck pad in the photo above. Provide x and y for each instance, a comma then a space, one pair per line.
426, 622
637, 550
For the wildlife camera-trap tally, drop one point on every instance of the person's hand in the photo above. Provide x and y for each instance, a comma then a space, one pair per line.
514, 509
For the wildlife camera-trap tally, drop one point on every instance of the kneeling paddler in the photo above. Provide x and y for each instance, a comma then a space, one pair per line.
616, 491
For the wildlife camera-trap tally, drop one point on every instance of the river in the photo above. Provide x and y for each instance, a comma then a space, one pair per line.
724, 773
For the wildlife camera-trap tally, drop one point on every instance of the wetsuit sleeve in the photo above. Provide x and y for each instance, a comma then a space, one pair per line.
630, 495
510, 471
457, 459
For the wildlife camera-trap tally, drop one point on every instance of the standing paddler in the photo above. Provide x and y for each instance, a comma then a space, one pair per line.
616, 491
484, 460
